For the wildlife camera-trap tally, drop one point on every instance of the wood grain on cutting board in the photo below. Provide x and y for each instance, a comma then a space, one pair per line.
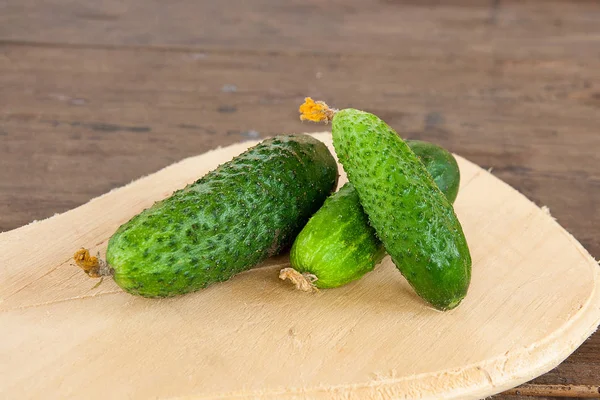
534, 298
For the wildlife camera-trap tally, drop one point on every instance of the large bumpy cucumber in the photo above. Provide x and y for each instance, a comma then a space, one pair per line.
411, 216
244, 211
338, 245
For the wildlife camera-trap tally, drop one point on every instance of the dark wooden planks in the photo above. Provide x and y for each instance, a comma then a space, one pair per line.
342, 26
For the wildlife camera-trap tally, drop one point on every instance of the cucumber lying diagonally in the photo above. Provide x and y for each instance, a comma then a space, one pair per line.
234, 217
338, 245
411, 216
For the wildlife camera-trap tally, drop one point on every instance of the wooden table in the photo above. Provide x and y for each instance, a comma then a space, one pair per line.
118, 89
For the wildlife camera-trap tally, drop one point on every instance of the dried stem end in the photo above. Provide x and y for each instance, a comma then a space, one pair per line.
316, 111
304, 282
93, 266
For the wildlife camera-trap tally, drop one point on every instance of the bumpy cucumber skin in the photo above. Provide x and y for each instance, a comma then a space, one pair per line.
244, 211
409, 213
338, 245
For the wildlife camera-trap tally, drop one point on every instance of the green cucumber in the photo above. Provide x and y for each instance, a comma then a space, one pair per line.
246, 210
411, 216
338, 245
440, 164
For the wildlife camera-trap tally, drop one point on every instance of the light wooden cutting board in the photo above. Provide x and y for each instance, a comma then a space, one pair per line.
534, 298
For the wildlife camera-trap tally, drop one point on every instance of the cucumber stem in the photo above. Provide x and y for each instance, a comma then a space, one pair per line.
303, 282
95, 267
316, 111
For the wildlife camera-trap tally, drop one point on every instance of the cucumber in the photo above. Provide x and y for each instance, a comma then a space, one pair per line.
338, 245
440, 164
411, 216
246, 210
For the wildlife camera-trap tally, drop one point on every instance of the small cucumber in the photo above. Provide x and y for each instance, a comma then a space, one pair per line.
411, 216
440, 164
338, 245
244, 211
